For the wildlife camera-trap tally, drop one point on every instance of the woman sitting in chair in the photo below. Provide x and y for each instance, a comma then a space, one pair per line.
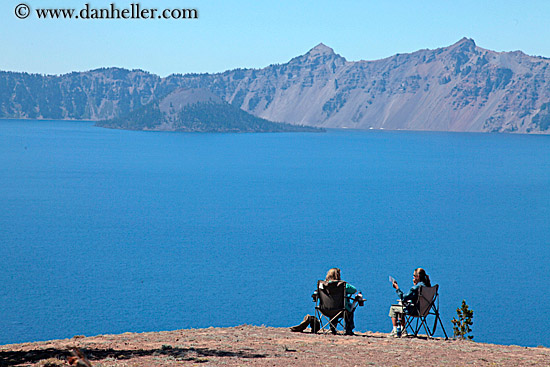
420, 278
333, 275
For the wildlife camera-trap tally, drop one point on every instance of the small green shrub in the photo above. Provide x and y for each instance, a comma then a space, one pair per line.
461, 327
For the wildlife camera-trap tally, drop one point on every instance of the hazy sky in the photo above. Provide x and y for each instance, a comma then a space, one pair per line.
230, 34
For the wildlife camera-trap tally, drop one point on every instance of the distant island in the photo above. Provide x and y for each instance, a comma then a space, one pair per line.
197, 110
461, 87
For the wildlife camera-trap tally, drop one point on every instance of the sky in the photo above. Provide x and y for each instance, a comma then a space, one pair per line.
231, 34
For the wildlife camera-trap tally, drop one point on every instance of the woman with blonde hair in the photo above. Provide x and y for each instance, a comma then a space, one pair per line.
420, 279
333, 275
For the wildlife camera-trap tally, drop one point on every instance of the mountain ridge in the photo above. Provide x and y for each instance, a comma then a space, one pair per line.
461, 87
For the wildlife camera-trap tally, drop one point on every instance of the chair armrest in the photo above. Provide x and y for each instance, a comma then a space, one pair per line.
358, 298
314, 296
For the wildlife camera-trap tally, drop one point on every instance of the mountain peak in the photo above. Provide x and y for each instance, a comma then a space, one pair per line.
321, 49
319, 55
464, 43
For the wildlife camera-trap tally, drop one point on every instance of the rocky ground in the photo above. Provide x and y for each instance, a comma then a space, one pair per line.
266, 346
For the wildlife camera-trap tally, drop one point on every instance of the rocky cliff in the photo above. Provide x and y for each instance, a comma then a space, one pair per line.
458, 88
93, 95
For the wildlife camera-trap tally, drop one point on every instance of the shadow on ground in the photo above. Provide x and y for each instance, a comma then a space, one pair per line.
184, 354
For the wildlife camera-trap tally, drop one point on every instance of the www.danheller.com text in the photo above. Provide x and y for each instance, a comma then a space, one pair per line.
132, 11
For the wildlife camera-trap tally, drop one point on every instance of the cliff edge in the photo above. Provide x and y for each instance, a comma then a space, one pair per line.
267, 346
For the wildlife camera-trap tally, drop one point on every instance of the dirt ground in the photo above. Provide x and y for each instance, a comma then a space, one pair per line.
266, 346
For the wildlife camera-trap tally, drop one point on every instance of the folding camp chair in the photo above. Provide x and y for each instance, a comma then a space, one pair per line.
330, 305
426, 307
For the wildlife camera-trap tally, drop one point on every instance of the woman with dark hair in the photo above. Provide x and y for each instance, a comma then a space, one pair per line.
420, 278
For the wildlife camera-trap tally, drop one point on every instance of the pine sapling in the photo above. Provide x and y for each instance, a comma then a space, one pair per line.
461, 327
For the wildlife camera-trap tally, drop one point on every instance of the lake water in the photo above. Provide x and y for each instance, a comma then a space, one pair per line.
108, 231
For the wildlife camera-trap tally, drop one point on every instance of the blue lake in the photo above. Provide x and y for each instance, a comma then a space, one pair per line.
108, 231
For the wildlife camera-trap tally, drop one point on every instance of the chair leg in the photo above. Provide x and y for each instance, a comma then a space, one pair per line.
437, 319
329, 323
417, 327
442, 327
408, 325
404, 323
334, 323
314, 324
319, 316
429, 333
